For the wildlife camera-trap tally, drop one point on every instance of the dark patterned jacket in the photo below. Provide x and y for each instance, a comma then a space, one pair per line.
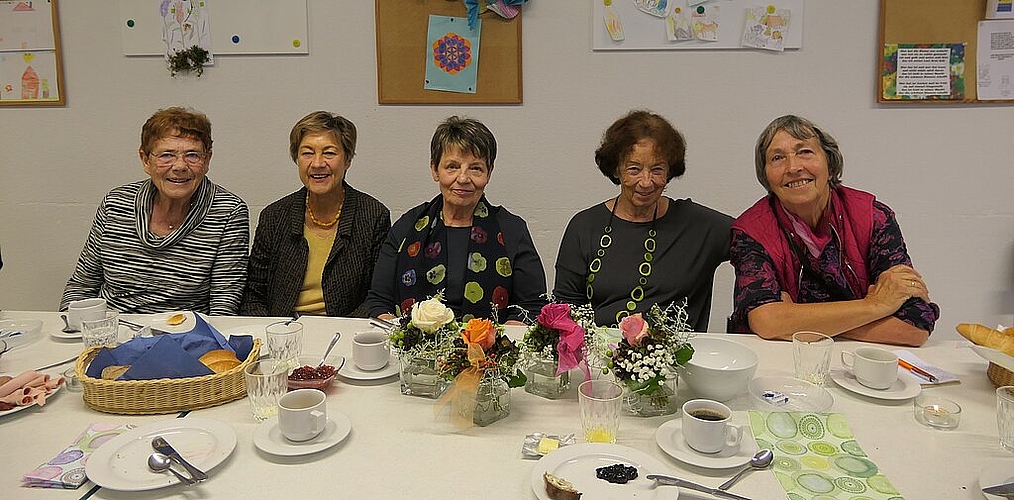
280, 252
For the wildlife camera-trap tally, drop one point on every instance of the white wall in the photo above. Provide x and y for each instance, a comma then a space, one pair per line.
945, 169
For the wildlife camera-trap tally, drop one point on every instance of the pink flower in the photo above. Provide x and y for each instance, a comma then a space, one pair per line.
569, 346
634, 329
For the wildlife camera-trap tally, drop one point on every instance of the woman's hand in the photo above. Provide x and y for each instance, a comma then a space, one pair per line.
896, 285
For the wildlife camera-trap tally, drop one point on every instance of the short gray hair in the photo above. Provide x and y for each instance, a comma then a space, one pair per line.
802, 129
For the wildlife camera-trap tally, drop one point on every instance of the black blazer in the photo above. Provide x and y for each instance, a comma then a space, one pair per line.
279, 255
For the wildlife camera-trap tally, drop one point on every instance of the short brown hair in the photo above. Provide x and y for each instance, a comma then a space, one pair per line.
322, 121
467, 134
621, 137
176, 122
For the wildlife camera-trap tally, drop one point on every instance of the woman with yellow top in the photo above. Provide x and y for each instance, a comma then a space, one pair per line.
314, 250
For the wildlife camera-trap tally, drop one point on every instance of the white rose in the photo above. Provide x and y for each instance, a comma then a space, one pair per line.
429, 315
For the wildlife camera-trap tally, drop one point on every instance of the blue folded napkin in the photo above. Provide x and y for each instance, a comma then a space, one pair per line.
171, 355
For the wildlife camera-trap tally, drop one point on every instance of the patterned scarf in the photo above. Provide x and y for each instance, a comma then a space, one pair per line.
200, 205
422, 261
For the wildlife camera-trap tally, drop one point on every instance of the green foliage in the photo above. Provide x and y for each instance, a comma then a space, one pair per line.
188, 60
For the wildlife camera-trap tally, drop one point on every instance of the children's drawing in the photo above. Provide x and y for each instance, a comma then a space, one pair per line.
452, 55
24, 26
677, 26
613, 24
766, 27
657, 8
705, 22
185, 23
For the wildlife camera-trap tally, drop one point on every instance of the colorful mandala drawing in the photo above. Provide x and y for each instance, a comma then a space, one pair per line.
452, 53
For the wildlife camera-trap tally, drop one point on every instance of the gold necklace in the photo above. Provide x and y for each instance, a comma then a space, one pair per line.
317, 222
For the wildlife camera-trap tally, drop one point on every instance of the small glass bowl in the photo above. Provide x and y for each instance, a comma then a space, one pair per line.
315, 383
71, 381
937, 412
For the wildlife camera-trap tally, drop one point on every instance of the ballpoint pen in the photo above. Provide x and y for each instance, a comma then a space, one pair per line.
918, 371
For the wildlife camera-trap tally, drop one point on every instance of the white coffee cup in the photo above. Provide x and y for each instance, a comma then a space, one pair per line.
873, 367
85, 310
302, 414
370, 350
706, 427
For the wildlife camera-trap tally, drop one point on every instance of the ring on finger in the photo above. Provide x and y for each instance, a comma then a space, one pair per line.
912, 283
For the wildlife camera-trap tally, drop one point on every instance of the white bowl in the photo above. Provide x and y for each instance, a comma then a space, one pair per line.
720, 369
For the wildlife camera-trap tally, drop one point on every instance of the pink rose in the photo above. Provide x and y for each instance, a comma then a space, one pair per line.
552, 315
634, 329
570, 344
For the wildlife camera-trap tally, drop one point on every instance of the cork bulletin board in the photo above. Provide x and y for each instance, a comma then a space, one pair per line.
932, 22
401, 27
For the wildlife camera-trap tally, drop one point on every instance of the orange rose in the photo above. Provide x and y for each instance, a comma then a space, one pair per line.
479, 331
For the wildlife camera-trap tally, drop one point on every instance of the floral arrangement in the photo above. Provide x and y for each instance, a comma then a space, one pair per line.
425, 328
652, 345
483, 349
559, 333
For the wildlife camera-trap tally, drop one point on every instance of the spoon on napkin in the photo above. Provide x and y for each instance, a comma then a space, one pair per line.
761, 460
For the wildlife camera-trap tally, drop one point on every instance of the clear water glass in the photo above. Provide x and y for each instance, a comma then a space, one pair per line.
103, 331
266, 382
285, 341
811, 354
1005, 416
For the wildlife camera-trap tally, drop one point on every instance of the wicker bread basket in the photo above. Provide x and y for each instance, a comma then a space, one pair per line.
166, 395
999, 375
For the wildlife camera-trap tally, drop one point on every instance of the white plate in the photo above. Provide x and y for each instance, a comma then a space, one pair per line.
902, 389
125, 333
253, 330
352, 372
669, 437
994, 356
802, 395
577, 463
122, 462
269, 439
48, 398
997, 473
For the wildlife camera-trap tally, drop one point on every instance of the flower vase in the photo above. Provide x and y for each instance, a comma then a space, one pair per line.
492, 401
542, 378
653, 400
419, 376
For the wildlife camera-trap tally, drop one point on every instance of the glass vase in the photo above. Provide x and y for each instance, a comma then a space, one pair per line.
654, 400
419, 376
492, 401
542, 378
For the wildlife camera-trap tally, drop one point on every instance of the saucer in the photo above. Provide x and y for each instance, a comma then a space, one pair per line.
352, 372
997, 473
669, 437
902, 389
269, 439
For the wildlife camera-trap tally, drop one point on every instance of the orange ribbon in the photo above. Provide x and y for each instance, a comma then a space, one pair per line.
461, 396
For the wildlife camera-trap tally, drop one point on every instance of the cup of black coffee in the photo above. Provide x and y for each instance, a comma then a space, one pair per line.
706, 427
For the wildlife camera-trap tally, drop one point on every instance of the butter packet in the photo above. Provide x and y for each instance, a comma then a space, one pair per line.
537, 444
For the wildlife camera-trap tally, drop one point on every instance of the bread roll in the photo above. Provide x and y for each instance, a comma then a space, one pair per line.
113, 372
560, 489
989, 337
176, 319
220, 360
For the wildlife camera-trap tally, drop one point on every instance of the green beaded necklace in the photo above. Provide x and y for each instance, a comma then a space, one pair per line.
637, 293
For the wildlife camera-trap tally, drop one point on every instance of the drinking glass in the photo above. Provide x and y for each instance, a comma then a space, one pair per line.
285, 341
811, 353
1005, 416
601, 401
103, 331
266, 382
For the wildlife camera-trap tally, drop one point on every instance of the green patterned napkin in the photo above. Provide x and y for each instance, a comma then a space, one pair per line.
817, 458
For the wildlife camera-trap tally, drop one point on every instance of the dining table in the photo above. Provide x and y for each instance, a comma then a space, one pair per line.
402, 446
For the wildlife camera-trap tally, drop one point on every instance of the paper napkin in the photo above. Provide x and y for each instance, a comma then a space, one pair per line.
67, 470
943, 376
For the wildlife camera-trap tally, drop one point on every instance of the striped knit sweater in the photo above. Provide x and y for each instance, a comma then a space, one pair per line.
200, 266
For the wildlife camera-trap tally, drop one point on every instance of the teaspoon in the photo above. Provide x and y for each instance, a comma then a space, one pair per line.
161, 463
66, 325
334, 340
761, 460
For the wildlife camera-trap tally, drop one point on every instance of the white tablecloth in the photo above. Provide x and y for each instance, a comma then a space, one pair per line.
397, 449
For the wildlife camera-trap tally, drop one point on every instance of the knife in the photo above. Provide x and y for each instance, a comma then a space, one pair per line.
162, 446
683, 483
1005, 490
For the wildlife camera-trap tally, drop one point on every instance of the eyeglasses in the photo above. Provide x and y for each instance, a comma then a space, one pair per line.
780, 158
168, 158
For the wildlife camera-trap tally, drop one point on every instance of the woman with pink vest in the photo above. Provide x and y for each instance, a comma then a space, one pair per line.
816, 255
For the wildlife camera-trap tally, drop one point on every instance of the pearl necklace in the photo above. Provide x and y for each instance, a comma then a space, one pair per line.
314, 219
644, 270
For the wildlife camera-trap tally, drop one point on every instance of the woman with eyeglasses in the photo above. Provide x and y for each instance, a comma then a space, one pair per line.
816, 255
174, 241
314, 250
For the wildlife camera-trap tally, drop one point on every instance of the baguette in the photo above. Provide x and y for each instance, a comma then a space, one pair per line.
560, 489
989, 337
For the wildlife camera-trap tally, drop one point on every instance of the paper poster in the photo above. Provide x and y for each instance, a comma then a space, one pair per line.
677, 26
923, 71
704, 20
766, 28
995, 60
452, 55
186, 23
